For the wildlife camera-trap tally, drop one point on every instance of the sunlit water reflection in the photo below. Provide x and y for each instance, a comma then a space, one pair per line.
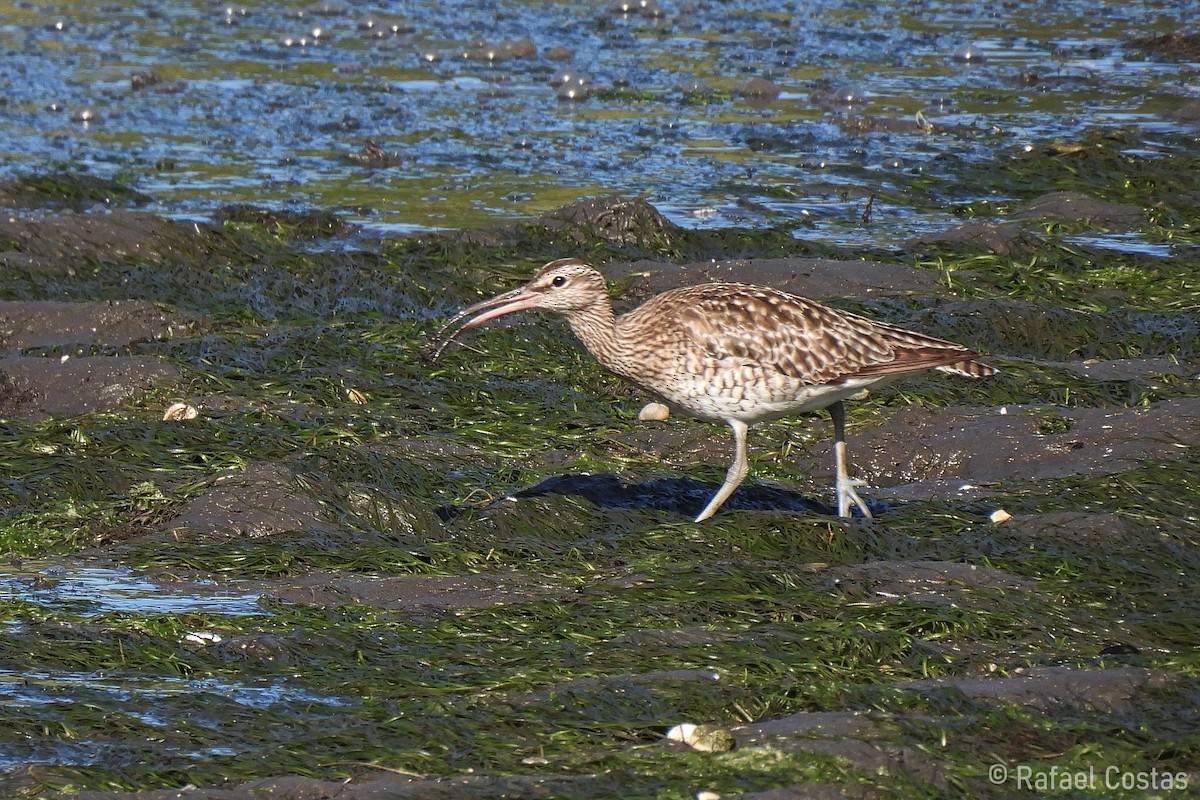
268, 106
94, 590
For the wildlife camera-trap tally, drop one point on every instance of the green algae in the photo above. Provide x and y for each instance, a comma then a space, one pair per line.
312, 360
67, 189
309, 359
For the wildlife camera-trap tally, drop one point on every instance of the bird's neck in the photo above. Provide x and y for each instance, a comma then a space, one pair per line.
596, 328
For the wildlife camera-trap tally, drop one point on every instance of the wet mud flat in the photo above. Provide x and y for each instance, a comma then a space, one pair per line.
253, 544
257, 545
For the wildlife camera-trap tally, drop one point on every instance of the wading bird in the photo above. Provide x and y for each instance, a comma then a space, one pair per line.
731, 352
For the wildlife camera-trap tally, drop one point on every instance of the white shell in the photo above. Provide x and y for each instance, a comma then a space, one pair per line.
702, 738
180, 411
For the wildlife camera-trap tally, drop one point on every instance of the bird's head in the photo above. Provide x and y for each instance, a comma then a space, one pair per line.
566, 285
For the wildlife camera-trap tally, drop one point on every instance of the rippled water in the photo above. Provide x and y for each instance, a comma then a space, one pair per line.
33, 688
129, 696
267, 102
94, 590
86, 591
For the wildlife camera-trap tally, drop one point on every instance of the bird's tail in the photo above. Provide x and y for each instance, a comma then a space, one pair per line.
969, 368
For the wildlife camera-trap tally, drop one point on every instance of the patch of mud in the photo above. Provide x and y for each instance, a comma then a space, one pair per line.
64, 243
923, 453
1188, 112
1106, 691
855, 736
918, 453
1152, 563
1081, 208
828, 724
49, 323
612, 219
871, 757
988, 237
810, 277
419, 594
683, 442
262, 500
936, 582
1101, 529
1123, 369
34, 388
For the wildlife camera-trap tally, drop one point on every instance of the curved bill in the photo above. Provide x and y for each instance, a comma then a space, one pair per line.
516, 300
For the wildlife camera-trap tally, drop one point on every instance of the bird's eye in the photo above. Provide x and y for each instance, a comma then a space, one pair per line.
559, 280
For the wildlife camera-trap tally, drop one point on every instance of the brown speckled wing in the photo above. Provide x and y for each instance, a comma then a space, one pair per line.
798, 337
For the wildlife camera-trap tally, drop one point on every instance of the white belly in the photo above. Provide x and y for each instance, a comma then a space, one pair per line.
755, 397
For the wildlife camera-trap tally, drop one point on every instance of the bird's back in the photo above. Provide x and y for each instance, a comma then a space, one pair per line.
727, 349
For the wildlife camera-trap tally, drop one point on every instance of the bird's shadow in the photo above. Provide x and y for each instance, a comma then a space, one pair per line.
678, 495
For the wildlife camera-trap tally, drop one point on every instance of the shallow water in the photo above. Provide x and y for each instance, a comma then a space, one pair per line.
134, 697
30, 688
266, 103
87, 590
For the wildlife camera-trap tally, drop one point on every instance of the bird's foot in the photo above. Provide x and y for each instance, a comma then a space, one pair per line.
846, 495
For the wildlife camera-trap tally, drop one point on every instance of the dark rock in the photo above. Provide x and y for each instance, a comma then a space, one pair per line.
1079, 207
615, 219
810, 277
35, 388
988, 237
262, 500
66, 242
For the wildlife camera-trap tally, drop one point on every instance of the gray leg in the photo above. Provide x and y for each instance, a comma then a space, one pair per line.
737, 470
844, 483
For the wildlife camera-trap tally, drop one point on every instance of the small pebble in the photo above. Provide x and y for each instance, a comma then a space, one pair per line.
654, 412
